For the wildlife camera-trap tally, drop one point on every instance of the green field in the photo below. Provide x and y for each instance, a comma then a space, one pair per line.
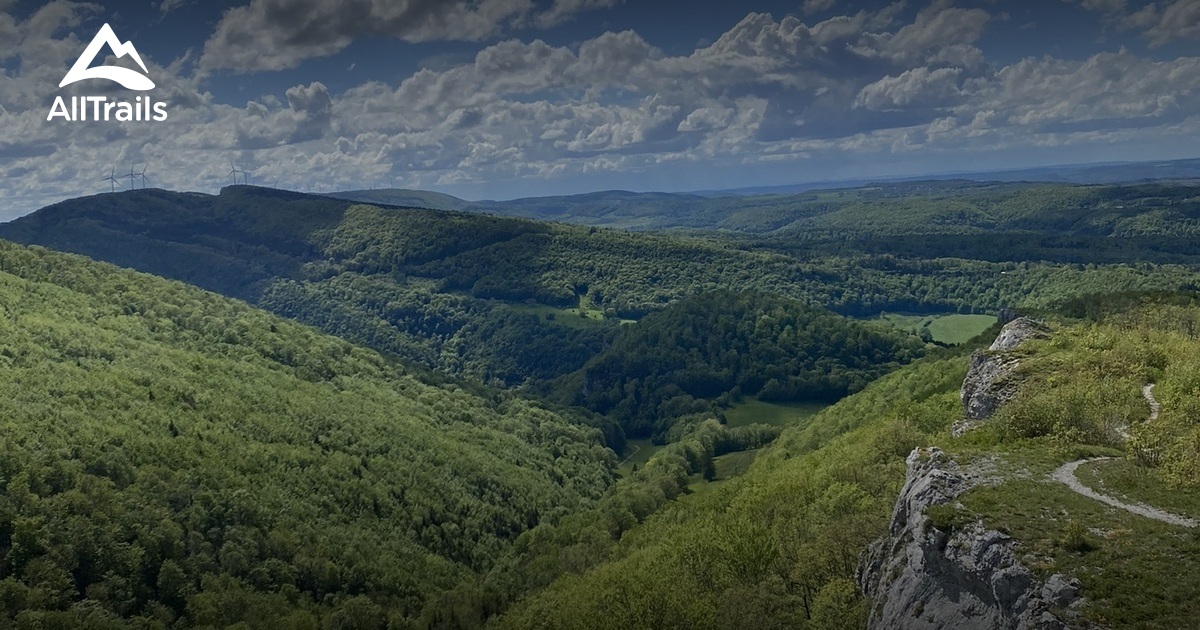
947, 329
748, 411
734, 464
568, 316
956, 329
637, 453
755, 411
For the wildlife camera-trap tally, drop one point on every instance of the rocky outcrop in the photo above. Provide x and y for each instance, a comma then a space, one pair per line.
1017, 332
922, 577
989, 381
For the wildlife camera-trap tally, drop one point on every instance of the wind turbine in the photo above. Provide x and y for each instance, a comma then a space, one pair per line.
142, 174
132, 176
112, 180
234, 172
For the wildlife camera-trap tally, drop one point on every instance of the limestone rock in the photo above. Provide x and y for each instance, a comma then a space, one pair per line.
921, 577
989, 382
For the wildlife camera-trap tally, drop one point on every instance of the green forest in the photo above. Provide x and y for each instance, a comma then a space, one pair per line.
170, 454
264, 409
453, 291
724, 345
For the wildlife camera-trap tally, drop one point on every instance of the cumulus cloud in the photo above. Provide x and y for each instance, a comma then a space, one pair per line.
1114, 90
767, 92
941, 33
1176, 20
916, 86
817, 6
308, 116
279, 34
1160, 22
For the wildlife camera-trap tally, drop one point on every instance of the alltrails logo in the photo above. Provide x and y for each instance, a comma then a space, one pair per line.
99, 107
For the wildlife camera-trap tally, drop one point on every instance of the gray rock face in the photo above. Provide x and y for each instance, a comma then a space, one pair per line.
921, 577
989, 384
1016, 332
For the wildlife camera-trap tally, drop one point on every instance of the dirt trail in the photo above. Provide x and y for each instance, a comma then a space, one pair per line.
1066, 475
1155, 407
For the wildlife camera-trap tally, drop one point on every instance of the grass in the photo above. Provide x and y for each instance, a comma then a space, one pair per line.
637, 453
1126, 480
565, 316
948, 329
956, 329
582, 315
752, 410
734, 464
748, 411
728, 467
1136, 572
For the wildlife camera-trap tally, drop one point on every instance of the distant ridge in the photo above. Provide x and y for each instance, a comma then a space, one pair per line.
1094, 173
404, 197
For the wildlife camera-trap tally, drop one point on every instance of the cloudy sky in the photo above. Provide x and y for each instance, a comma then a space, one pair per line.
507, 98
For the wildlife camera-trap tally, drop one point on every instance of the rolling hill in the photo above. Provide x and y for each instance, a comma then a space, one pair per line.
175, 456
512, 301
404, 197
953, 206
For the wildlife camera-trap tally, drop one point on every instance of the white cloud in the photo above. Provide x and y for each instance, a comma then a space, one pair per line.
817, 6
1160, 22
563, 10
279, 34
916, 86
1177, 20
767, 93
167, 6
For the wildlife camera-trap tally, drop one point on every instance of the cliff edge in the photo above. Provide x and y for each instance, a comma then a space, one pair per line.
923, 575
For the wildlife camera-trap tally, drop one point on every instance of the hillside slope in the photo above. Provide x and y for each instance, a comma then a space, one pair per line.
785, 544
502, 300
169, 454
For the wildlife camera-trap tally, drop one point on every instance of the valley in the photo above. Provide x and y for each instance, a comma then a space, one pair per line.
518, 423
599, 315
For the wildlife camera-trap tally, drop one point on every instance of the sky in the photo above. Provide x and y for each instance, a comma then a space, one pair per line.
496, 99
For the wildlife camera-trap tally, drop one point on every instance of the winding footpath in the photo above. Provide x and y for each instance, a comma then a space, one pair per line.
1155, 407
1066, 475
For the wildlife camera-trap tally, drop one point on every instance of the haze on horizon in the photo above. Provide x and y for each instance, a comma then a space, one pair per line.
517, 98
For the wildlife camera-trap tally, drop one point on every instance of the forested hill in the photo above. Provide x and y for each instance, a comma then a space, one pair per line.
404, 197
724, 345
1163, 209
504, 300
172, 455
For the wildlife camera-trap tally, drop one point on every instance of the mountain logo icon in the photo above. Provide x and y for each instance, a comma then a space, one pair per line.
130, 79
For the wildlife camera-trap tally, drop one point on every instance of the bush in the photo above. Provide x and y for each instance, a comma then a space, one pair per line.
948, 517
1074, 537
